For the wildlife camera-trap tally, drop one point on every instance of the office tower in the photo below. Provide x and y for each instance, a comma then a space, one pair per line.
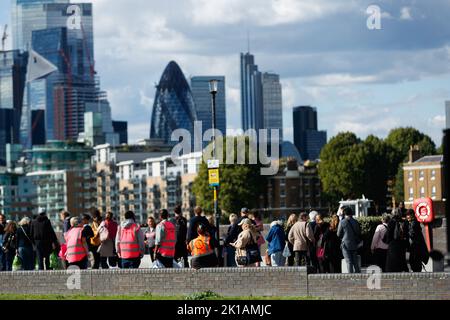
6, 118
43, 26
174, 106
308, 140
203, 102
251, 94
13, 67
447, 114
272, 103
38, 127
121, 128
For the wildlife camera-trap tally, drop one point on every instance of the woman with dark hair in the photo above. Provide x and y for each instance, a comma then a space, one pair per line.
150, 235
418, 250
259, 227
397, 239
10, 244
319, 231
332, 247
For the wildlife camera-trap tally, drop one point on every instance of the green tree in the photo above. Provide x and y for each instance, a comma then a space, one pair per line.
376, 169
241, 185
342, 165
399, 141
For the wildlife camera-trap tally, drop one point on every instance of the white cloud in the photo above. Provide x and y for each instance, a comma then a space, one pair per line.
437, 121
405, 13
366, 120
344, 79
263, 12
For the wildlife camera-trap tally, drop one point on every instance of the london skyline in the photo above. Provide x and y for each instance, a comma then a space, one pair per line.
365, 81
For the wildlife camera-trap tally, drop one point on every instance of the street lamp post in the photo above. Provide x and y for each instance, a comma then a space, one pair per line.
213, 89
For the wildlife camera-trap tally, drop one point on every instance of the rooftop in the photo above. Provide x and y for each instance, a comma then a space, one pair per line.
430, 159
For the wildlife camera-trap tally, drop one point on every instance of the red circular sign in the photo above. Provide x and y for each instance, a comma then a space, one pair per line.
423, 208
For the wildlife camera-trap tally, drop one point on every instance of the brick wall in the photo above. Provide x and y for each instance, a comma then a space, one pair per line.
230, 282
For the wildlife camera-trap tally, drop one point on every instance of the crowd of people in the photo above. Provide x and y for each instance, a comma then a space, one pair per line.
311, 240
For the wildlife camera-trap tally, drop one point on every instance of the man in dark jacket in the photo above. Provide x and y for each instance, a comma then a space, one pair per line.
418, 250
397, 239
180, 224
44, 237
194, 222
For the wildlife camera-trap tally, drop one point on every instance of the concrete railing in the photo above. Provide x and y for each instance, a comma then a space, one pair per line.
281, 282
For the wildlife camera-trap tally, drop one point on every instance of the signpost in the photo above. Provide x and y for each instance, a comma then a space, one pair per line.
424, 213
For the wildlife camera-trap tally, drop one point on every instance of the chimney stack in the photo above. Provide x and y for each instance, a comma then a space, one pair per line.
414, 153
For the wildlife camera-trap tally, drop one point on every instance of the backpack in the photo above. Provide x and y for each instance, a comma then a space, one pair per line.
9, 243
180, 229
103, 232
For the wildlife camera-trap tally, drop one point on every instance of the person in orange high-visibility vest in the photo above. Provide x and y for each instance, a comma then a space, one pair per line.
77, 248
130, 244
165, 240
202, 249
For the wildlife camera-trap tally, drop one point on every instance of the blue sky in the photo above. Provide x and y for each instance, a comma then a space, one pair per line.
361, 80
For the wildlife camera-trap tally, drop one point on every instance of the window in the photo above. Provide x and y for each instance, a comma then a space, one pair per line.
433, 192
410, 176
433, 175
185, 168
422, 192
422, 175
411, 193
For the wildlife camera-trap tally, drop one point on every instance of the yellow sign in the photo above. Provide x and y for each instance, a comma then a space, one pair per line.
214, 177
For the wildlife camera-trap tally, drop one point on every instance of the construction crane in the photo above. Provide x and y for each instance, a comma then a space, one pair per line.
4, 37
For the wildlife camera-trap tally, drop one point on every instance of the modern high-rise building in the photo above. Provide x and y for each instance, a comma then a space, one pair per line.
6, 117
174, 106
62, 32
307, 138
272, 103
38, 127
251, 94
13, 66
202, 98
121, 128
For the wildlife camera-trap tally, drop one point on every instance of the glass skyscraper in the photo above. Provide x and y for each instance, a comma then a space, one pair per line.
307, 138
174, 106
261, 98
251, 94
43, 26
272, 103
203, 107
13, 66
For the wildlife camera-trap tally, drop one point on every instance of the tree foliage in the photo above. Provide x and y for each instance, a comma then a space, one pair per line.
351, 167
241, 185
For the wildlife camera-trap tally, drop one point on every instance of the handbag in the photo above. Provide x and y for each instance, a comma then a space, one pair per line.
104, 233
252, 254
286, 251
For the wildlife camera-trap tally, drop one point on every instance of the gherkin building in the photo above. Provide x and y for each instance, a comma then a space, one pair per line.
174, 106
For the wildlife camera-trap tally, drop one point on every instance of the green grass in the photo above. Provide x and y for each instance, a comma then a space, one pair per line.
145, 297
